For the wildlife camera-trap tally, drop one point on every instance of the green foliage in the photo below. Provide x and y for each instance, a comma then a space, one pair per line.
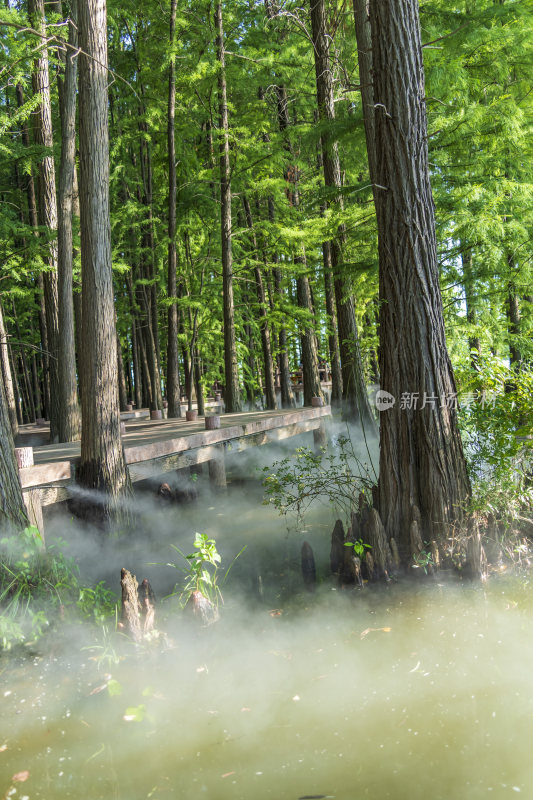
294, 483
423, 560
38, 585
359, 547
201, 569
497, 428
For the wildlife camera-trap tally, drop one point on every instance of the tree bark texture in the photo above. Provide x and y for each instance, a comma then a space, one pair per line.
421, 455
363, 35
232, 397
173, 381
68, 420
102, 464
12, 510
311, 377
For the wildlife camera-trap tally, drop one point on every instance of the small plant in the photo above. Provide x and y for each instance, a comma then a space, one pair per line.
293, 484
423, 560
201, 569
38, 585
359, 548
96, 602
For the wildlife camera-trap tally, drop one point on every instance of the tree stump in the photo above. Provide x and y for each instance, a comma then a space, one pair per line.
354, 532
202, 608
147, 602
212, 422
395, 552
131, 607
350, 574
308, 567
156, 414
336, 556
165, 493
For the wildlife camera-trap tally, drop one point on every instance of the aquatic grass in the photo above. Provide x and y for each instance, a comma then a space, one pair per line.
39, 584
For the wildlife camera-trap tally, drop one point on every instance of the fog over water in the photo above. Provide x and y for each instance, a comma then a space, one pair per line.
412, 690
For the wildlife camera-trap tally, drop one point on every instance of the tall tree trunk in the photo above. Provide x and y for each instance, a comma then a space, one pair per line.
121, 378
48, 209
12, 510
363, 35
355, 397
421, 455
173, 381
68, 420
30, 404
102, 464
474, 344
287, 395
7, 377
311, 376
34, 222
36, 387
232, 397
16, 387
138, 375
333, 334
270, 392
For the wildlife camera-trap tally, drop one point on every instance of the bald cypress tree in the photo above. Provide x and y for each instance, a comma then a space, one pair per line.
421, 456
102, 464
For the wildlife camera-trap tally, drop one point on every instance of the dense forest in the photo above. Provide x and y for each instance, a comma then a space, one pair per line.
233, 223
202, 197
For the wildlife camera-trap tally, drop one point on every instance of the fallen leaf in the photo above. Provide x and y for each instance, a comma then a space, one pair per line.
98, 689
276, 612
20, 777
3, 747
244, 708
227, 774
371, 630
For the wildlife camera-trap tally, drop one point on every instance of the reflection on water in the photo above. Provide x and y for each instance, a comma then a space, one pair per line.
404, 692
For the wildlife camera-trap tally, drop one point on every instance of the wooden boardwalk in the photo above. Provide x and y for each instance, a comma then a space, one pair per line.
155, 447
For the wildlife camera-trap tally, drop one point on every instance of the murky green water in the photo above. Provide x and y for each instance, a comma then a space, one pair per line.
408, 692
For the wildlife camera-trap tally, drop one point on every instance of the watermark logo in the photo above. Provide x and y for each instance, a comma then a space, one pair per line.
384, 400
417, 401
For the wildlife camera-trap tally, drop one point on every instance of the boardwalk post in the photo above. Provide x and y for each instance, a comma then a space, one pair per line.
31, 497
34, 508
320, 438
217, 469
